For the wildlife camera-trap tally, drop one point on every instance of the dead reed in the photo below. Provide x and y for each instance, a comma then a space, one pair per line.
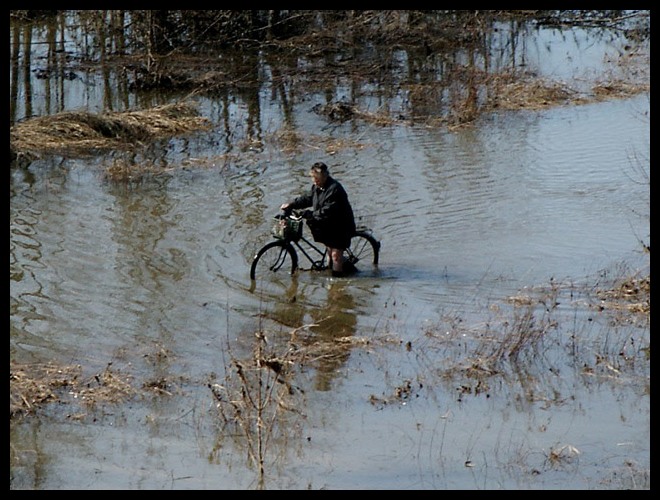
82, 133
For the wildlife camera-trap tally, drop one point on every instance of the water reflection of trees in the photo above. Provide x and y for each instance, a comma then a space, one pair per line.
417, 64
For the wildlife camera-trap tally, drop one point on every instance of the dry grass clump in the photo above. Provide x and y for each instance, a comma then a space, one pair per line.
340, 112
289, 140
33, 385
84, 133
121, 170
509, 94
630, 294
618, 89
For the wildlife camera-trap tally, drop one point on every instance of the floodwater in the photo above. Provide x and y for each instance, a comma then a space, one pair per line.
153, 278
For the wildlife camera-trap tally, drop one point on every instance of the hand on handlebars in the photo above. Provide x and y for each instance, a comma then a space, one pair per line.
285, 207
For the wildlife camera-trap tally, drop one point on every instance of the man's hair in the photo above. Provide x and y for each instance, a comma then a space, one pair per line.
319, 166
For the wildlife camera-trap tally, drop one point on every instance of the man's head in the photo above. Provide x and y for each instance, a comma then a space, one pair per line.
319, 173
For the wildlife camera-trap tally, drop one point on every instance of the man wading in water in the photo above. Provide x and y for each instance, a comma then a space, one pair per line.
331, 219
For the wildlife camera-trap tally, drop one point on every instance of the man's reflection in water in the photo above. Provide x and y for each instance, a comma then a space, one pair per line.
319, 341
333, 322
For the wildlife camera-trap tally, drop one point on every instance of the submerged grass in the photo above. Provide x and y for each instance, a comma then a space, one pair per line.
519, 335
83, 133
520, 354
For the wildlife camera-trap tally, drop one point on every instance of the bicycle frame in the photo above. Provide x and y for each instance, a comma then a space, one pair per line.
316, 264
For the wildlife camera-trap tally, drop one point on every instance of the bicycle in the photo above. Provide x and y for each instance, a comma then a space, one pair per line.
283, 253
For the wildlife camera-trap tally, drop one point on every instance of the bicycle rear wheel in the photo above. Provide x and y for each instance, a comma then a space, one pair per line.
364, 248
274, 258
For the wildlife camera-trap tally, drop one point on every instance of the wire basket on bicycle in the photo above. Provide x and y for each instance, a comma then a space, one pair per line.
288, 227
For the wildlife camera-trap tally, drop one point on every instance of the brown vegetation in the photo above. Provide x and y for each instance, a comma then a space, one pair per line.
34, 385
631, 294
86, 133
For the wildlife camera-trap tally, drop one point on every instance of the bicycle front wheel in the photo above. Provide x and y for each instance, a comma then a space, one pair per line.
364, 248
274, 258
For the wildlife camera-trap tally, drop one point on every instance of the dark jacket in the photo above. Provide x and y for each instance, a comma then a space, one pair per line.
332, 222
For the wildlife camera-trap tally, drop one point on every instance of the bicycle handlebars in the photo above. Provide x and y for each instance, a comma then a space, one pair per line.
294, 213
